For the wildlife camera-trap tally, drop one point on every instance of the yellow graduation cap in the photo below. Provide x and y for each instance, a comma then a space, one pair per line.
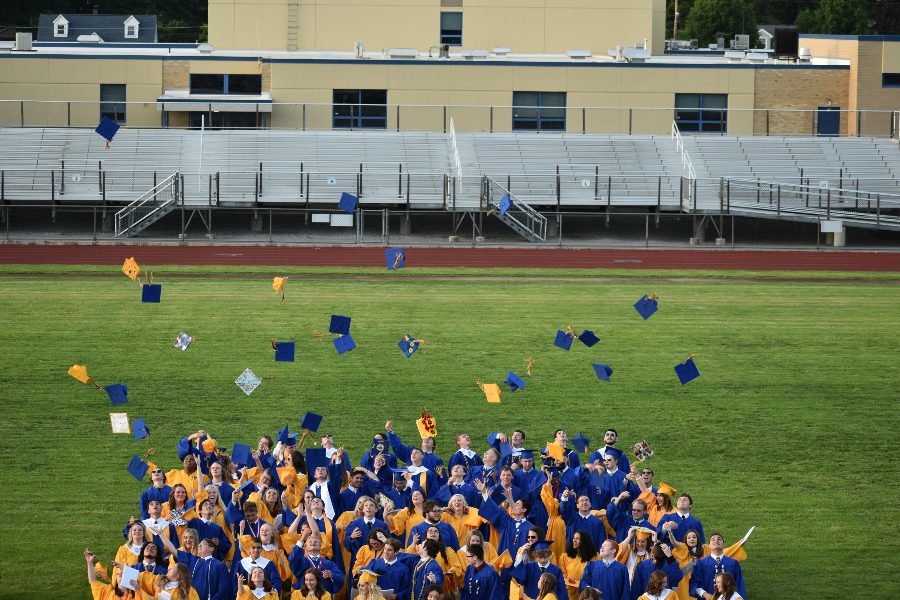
367, 576
644, 532
668, 490
131, 268
278, 284
491, 391
79, 372
502, 561
556, 451
427, 425
209, 445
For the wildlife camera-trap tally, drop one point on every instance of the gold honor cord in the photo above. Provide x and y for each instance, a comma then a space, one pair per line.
529, 365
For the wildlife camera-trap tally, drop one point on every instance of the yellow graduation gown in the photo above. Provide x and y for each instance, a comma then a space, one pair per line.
190, 482
654, 512
573, 569
106, 591
300, 595
556, 528
463, 525
246, 594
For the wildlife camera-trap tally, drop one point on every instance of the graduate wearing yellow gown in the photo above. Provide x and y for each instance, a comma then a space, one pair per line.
179, 509
682, 553
189, 476
556, 526
635, 549
659, 504
462, 517
580, 551
100, 590
312, 588
257, 582
128, 553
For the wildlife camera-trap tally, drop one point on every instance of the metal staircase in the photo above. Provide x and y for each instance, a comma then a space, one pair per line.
152, 206
521, 218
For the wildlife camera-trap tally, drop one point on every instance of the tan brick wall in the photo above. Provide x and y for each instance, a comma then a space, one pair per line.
176, 75
782, 91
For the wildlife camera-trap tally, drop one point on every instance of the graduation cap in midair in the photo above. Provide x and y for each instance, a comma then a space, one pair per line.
278, 284
505, 204
491, 391
604, 372
240, 455
646, 306
581, 443
80, 373
588, 338
309, 423
248, 381
344, 343
151, 292
118, 393
141, 431
395, 258
284, 351
107, 128
514, 382
348, 202
183, 341
687, 371
131, 269
340, 324
409, 344
563, 339
137, 467
427, 425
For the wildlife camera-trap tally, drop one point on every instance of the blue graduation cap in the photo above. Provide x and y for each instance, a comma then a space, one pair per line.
604, 372
408, 344
316, 457
398, 473
505, 204
493, 438
588, 338
541, 546
563, 340
245, 485
311, 422
284, 352
348, 202
344, 343
284, 435
107, 128
646, 306
526, 455
140, 429
339, 324
395, 258
240, 455
505, 450
581, 443
514, 382
687, 371
137, 467
150, 292
118, 393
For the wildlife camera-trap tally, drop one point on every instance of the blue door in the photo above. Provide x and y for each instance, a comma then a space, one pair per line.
829, 121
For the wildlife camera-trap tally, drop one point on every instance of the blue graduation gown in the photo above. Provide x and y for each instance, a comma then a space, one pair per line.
245, 565
526, 480
622, 521
384, 474
611, 580
288, 520
447, 491
691, 522
605, 487
489, 475
706, 569
575, 522
529, 573
645, 569
157, 569
396, 576
448, 534
483, 584
153, 493
427, 483
299, 563
420, 574
623, 464
498, 496
353, 545
347, 498
212, 530
210, 578
512, 537
458, 458
431, 460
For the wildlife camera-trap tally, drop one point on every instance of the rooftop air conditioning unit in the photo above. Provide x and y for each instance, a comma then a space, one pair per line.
475, 54
92, 38
578, 54
740, 42
636, 56
23, 42
804, 55
407, 53
205, 48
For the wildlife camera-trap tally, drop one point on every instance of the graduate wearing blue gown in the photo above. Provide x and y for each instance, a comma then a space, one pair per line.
513, 530
529, 573
683, 520
210, 576
432, 512
705, 570
430, 460
481, 581
622, 521
394, 569
362, 483
207, 529
158, 491
457, 485
427, 571
309, 557
658, 561
607, 574
570, 511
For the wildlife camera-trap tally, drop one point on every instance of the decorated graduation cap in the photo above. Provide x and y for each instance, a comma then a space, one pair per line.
687, 371
137, 467
284, 351
348, 202
642, 450
394, 258
604, 372
79, 372
183, 341
514, 382
278, 284
588, 338
107, 129
240, 454
581, 443
408, 344
491, 391
344, 343
427, 425
563, 339
248, 381
131, 269
368, 577
647, 306
118, 393
141, 431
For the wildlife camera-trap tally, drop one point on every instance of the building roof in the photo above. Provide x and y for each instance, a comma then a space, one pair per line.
110, 28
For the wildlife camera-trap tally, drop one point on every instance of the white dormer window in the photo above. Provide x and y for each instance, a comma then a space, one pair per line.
131, 28
60, 27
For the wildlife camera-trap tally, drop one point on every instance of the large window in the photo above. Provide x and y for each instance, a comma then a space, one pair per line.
539, 111
890, 79
451, 28
246, 85
112, 102
701, 113
360, 109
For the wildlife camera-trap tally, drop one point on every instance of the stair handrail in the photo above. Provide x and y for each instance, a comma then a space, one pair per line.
123, 217
537, 223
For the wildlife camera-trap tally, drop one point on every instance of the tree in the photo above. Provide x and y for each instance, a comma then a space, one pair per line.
835, 17
708, 18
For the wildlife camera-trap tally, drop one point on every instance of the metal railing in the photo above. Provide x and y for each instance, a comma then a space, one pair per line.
154, 203
521, 217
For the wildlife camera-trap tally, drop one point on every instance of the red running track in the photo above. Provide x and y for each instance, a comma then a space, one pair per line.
354, 256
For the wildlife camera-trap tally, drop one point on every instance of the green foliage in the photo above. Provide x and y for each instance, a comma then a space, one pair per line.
795, 406
834, 17
709, 18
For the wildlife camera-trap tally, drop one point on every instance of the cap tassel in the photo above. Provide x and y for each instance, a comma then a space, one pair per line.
274, 345
691, 357
149, 453
571, 332
307, 435
398, 259
529, 364
320, 334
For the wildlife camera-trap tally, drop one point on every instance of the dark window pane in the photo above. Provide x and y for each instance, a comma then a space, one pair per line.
525, 124
207, 84
553, 99
525, 98
684, 115
245, 84
689, 126
553, 113
451, 28
345, 96
373, 96
554, 125
687, 100
890, 79
714, 101
112, 102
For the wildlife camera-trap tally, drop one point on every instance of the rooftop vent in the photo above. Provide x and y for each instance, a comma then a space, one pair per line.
93, 38
578, 54
804, 55
23, 42
501, 51
407, 53
636, 56
475, 54
205, 48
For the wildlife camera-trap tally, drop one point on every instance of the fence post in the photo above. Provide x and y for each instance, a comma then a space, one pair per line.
301, 178
695, 195
583, 120
491, 122
398, 118
778, 207
828, 208
400, 180
646, 231
62, 177
728, 193
558, 191
270, 226
597, 184
303, 125
878, 209
445, 119
94, 217
21, 113
608, 197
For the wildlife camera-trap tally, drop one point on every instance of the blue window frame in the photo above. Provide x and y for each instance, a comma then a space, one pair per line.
359, 109
539, 111
451, 28
701, 113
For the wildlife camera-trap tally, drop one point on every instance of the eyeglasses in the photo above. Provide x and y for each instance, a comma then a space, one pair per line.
470, 556
647, 473
155, 471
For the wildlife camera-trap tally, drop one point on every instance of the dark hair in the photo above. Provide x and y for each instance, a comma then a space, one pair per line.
298, 461
432, 547
667, 501
616, 433
395, 544
256, 540
184, 579
590, 593
506, 469
525, 503
548, 586
268, 438
728, 583
688, 496
658, 582
431, 588
541, 534
267, 585
373, 535
696, 551
249, 504
657, 553
320, 582
440, 541
586, 551
476, 550
158, 561
519, 431
429, 505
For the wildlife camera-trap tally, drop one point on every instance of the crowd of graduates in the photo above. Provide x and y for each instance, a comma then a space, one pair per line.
278, 522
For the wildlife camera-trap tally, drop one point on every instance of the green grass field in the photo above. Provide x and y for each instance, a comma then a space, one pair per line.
791, 426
